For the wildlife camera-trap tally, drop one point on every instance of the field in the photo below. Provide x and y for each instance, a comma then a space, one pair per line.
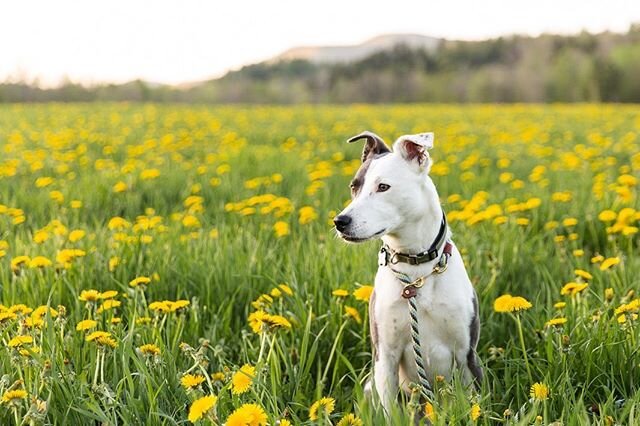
161, 264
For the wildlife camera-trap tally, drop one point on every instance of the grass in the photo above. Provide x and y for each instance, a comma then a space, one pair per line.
523, 186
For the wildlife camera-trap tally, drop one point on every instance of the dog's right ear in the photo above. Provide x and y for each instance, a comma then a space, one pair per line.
374, 146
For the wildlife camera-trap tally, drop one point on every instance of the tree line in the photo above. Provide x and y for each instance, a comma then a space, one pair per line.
585, 67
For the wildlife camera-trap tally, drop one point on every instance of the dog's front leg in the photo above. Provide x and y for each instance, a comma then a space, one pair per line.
386, 375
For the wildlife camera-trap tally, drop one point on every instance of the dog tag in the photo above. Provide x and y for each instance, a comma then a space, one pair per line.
382, 257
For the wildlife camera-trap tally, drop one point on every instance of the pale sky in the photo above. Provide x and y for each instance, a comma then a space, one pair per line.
180, 41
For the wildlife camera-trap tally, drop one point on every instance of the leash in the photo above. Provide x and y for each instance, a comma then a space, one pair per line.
410, 290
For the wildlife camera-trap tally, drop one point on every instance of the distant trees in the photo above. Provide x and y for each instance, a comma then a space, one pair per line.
549, 68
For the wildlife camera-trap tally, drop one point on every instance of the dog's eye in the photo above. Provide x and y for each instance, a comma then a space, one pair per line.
383, 187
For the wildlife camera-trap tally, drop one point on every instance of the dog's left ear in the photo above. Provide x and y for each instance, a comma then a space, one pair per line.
413, 148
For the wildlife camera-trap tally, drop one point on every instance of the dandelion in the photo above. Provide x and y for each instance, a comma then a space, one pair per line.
607, 216
539, 391
555, 322
508, 303
340, 293
583, 274
429, 412
560, 305
511, 304
573, 288
322, 407
261, 321
350, 420
119, 187
14, 396
247, 415
609, 262
241, 380
608, 294
149, 350
363, 293
190, 381
89, 295
202, 407
40, 262
139, 281
107, 305
281, 229
76, 235
19, 341
475, 412
85, 325
307, 214
353, 313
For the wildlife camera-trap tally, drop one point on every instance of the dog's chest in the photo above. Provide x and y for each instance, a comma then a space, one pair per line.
442, 312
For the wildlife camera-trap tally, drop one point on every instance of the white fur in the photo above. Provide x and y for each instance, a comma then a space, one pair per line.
407, 217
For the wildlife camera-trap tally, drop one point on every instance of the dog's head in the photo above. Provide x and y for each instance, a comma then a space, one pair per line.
390, 189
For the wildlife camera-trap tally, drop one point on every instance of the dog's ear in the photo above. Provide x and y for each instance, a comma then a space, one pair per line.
374, 146
413, 148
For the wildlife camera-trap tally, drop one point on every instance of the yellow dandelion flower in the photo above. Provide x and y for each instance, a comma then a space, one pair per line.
350, 420
555, 321
570, 221
190, 381
76, 235
247, 415
429, 412
578, 252
281, 229
18, 341
609, 262
597, 259
149, 349
20, 308
218, 376
119, 187
363, 293
139, 281
583, 274
322, 407
508, 303
284, 422
560, 305
307, 214
475, 412
241, 380
573, 288
608, 294
97, 335
539, 391
14, 396
340, 293
109, 294
107, 305
89, 295
286, 289
201, 407
607, 216
40, 262
85, 325
353, 313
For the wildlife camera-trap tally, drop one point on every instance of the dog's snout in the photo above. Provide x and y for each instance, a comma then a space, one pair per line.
341, 222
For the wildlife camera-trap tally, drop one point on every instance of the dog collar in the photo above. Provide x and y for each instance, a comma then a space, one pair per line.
389, 256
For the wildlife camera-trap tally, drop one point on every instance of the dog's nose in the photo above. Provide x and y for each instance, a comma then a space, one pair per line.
341, 222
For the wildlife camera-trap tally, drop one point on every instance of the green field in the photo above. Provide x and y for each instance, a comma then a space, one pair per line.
216, 206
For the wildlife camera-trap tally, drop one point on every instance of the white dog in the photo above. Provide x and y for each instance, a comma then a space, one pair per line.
394, 199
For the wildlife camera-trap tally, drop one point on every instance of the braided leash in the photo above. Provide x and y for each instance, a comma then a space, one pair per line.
409, 292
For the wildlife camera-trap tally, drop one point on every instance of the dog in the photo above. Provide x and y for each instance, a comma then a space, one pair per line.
394, 199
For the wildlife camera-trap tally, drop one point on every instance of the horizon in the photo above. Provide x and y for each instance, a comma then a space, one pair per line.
176, 46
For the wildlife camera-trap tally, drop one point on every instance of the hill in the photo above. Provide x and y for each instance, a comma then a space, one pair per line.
405, 68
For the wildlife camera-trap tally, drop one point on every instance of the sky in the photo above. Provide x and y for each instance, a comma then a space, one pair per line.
174, 42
